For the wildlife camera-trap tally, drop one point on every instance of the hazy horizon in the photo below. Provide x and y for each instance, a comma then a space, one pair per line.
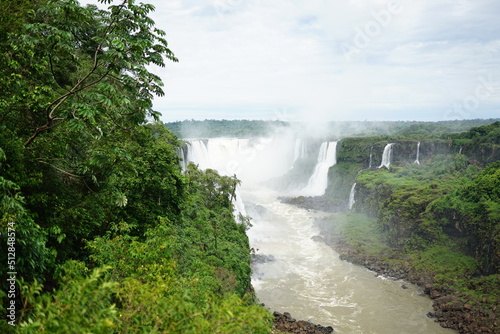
355, 60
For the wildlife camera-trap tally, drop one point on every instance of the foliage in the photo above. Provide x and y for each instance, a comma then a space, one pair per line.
150, 293
83, 304
29, 238
474, 210
112, 234
445, 264
443, 214
90, 68
74, 83
403, 198
484, 134
360, 233
342, 176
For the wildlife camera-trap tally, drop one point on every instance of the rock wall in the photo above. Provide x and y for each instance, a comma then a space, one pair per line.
353, 155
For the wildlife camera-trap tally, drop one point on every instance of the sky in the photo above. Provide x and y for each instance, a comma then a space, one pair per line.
293, 60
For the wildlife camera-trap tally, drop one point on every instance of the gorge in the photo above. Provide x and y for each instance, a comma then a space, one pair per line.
294, 271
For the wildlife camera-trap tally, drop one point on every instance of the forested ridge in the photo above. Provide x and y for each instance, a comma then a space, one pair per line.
105, 233
210, 128
437, 221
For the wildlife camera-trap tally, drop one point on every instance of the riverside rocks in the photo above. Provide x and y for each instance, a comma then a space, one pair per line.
450, 310
453, 312
314, 203
285, 323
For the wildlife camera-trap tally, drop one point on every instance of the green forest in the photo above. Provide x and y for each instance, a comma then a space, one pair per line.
102, 230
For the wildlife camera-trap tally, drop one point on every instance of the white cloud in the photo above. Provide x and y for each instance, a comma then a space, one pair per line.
253, 58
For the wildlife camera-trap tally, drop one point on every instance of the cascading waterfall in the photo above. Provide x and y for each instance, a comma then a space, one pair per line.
299, 151
386, 156
180, 152
371, 156
318, 182
351, 196
239, 206
417, 162
247, 158
216, 154
198, 153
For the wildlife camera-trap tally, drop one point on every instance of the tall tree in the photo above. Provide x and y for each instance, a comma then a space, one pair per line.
74, 86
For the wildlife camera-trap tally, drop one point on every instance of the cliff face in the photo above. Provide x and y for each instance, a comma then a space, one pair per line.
417, 202
357, 154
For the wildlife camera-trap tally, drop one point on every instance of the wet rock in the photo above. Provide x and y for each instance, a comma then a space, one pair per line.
284, 322
262, 258
318, 238
314, 203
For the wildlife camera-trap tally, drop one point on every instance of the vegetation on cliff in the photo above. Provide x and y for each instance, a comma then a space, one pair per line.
441, 216
110, 235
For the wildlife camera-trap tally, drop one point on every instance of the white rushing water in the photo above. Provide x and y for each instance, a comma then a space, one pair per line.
386, 156
183, 161
318, 181
371, 156
302, 275
351, 196
417, 162
299, 151
198, 153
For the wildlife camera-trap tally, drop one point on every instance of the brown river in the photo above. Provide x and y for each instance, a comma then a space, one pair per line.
306, 278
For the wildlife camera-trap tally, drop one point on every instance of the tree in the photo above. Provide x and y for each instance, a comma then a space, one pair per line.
73, 86
478, 215
90, 67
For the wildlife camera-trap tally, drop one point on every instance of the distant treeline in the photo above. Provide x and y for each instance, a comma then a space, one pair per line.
210, 128
254, 128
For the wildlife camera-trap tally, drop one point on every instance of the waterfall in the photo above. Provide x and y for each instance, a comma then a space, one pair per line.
417, 162
318, 182
239, 207
371, 155
460, 151
351, 196
386, 156
251, 160
183, 162
219, 154
198, 153
299, 151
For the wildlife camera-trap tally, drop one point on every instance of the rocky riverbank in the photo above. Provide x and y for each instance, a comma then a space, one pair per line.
450, 308
284, 323
314, 203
